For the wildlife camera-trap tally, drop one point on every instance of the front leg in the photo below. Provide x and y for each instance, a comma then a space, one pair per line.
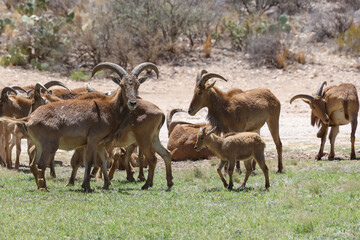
231, 171
322, 134
221, 165
353, 130
333, 133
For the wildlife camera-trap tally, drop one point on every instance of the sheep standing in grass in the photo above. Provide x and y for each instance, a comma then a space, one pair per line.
233, 147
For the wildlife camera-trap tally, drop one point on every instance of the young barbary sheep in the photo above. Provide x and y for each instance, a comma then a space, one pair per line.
235, 147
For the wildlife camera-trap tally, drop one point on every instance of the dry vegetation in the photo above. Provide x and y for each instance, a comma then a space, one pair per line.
63, 36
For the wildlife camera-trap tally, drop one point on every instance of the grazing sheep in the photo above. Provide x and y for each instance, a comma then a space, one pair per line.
235, 147
335, 106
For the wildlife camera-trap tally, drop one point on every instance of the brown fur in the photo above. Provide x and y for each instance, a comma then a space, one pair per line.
333, 107
239, 111
235, 147
182, 138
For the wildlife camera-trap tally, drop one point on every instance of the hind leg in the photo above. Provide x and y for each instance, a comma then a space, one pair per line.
76, 160
47, 154
165, 154
260, 159
18, 150
102, 155
273, 125
141, 176
332, 136
129, 169
248, 167
352, 138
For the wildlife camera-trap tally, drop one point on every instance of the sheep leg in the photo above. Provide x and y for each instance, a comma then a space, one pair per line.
35, 160
238, 167
101, 154
89, 156
248, 167
52, 167
7, 149
75, 163
128, 167
352, 138
332, 136
47, 154
115, 165
141, 176
150, 157
18, 150
260, 159
273, 125
230, 172
165, 154
322, 134
221, 165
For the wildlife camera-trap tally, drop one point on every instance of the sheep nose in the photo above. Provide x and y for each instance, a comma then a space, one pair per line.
132, 105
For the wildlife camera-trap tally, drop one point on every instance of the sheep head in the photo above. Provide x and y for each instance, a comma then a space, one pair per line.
38, 99
129, 83
202, 90
317, 104
203, 138
6, 103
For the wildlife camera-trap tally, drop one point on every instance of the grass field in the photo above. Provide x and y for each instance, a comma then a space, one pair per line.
311, 200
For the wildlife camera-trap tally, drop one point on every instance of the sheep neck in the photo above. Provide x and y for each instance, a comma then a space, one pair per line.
215, 144
217, 115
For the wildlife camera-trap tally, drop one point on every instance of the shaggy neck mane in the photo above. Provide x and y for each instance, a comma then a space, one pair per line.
217, 110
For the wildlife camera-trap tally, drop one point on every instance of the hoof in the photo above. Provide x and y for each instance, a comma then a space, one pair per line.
70, 184
44, 189
226, 185
41, 183
53, 175
230, 187
353, 156
141, 178
170, 185
146, 186
130, 179
86, 188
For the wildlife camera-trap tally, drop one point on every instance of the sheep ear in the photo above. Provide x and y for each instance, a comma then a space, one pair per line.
143, 79
211, 85
306, 101
211, 131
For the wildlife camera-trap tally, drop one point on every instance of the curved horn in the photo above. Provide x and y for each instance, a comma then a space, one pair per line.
311, 98
108, 65
38, 87
170, 116
142, 66
4, 92
20, 89
198, 77
319, 91
49, 84
207, 76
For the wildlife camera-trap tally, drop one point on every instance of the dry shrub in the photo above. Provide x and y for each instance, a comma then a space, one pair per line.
207, 46
267, 50
330, 21
300, 57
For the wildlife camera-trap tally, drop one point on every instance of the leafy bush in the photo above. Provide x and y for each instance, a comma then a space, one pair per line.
350, 40
79, 75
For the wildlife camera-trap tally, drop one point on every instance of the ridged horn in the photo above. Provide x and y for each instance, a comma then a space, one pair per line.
207, 76
50, 84
319, 91
211, 130
20, 89
4, 92
39, 87
170, 116
311, 98
142, 66
108, 65
198, 77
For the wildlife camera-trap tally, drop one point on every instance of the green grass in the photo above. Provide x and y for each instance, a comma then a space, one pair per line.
311, 200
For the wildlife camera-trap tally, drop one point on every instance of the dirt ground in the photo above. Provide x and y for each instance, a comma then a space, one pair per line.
174, 89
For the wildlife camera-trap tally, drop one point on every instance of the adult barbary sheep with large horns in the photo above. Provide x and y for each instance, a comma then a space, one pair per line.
334, 106
77, 123
237, 110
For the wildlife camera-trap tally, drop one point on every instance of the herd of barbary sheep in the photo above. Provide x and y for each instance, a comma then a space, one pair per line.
105, 128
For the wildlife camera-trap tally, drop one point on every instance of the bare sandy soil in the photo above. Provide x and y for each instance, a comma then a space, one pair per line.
174, 89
